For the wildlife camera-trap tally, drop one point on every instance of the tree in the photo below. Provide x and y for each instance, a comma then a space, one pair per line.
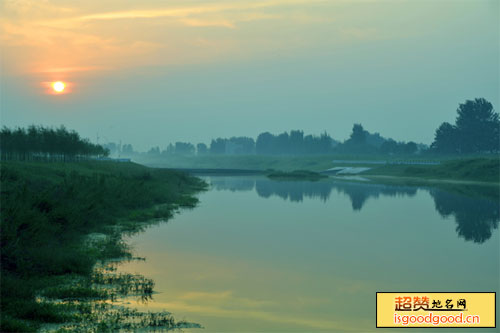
358, 135
218, 146
389, 147
297, 142
41, 143
154, 151
240, 145
264, 143
476, 130
201, 149
445, 139
169, 150
357, 142
410, 148
127, 149
184, 148
478, 126
113, 148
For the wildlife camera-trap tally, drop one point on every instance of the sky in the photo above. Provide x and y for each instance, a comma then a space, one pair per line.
153, 72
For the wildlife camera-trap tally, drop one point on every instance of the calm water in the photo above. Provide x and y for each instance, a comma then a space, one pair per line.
262, 255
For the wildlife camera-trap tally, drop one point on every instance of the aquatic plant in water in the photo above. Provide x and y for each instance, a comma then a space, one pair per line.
93, 304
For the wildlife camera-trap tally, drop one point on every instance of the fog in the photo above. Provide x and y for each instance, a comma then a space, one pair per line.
398, 68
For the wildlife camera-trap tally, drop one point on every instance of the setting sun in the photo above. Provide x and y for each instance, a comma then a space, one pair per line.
58, 86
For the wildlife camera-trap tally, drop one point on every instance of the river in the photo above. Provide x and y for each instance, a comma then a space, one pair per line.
298, 256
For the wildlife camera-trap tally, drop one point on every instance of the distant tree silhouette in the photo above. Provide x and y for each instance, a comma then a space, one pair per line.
241, 145
113, 148
294, 143
392, 147
127, 149
375, 139
218, 146
410, 147
476, 130
478, 126
358, 135
281, 145
389, 147
46, 144
297, 142
357, 142
184, 148
154, 151
201, 149
263, 145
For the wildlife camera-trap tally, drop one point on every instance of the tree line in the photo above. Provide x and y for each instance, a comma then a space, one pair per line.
38, 143
294, 142
476, 130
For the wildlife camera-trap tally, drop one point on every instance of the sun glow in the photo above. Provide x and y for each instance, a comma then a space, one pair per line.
58, 86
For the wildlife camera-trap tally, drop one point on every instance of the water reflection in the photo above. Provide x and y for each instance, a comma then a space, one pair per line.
475, 217
311, 255
475, 209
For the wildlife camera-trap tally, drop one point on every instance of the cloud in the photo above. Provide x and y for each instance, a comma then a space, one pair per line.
194, 10
207, 23
81, 38
34, 9
71, 69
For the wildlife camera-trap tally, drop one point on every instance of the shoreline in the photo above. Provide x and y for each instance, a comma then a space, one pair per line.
430, 181
63, 227
466, 169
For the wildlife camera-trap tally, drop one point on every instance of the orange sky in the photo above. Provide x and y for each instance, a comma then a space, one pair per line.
62, 37
314, 65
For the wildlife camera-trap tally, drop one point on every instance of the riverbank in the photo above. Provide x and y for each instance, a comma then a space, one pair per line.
48, 211
240, 162
477, 170
485, 168
296, 175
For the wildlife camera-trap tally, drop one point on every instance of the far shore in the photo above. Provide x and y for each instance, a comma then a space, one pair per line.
476, 170
430, 181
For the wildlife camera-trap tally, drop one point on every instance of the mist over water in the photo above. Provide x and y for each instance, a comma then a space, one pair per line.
263, 255
109, 108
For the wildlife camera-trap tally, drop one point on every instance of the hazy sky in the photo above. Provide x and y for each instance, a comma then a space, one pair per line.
152, 72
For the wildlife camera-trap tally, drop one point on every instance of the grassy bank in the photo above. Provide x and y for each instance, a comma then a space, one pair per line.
48, 211
296, 175
483, 168
478, 170
262, 162
285, 162
242, 162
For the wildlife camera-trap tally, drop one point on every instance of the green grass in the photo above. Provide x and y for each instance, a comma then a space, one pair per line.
47, 212
315, 163
296, 175
253, 162
483, 168
244, 162
477, 169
